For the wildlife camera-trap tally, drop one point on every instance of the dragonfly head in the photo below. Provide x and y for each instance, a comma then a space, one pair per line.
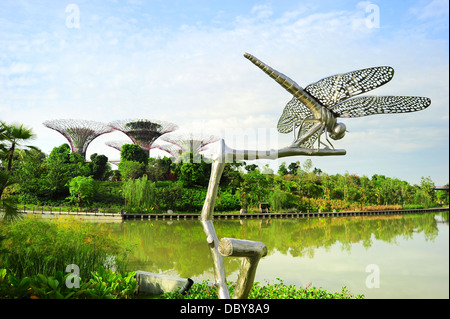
338, 131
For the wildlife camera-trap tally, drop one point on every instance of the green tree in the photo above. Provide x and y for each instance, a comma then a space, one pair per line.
442, 197
307, 165
282, 170
159, 168
428, 186
231, 176
131, 170
135, 153
31, 174
12, 137
140, 194
82, 190
254, 189
251, 167
293, 168
7, 204
194, 174
62, 166
100, 168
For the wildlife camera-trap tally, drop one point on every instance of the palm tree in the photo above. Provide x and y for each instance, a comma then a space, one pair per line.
11, 137
14, 135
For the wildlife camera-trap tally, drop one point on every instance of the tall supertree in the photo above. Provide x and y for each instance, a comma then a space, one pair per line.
173, 150
143, 132
190, 142
169, 148
79, 133
117, 144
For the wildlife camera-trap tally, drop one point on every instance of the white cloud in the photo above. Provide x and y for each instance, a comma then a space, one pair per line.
262, 11
432, 9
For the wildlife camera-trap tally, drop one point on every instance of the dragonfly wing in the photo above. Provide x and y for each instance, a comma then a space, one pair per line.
294, 112
331, 90
309, 143
371, 105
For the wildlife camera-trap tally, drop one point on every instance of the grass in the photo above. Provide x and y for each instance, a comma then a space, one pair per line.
33, 245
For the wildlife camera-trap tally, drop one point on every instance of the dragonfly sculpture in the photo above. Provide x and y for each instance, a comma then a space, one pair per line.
311, 113
314, 110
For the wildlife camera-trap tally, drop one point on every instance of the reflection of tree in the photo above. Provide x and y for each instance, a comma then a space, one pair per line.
181, 246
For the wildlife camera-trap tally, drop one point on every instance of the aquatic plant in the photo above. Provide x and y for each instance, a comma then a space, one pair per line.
33, 245
279, 290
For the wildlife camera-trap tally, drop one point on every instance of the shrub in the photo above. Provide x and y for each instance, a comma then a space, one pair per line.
82, 190
134, 153
227, 201
131, 169
104, 284
169, 197
192, 199
108, 193
139, 195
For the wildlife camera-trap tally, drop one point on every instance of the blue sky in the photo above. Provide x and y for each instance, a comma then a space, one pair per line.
182, 61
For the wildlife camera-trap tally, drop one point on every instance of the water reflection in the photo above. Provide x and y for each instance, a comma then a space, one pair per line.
179, 246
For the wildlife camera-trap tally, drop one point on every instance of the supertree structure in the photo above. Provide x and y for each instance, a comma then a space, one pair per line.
118, 144
169, 148
173, 150
143, 132
79, 133
190, 142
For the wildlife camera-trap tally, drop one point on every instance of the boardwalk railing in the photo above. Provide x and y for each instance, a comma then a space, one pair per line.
59, 210
117, 212
284, 215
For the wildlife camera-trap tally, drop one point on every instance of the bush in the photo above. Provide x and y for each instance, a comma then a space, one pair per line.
131, 170
192, 199
82, 190
108, 194
104, 284
133, 153
227, 201
139, 195
168, 197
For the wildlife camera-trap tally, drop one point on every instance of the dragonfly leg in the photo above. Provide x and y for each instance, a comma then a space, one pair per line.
301, 139
326, 137
318, 140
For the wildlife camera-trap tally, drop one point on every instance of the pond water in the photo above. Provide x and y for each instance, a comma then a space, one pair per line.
389, 256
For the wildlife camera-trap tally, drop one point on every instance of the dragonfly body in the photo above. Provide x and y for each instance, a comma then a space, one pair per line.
314, 109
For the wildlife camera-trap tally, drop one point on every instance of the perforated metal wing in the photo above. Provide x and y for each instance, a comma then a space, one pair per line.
331, 90
309, 143
295, 112
371, 105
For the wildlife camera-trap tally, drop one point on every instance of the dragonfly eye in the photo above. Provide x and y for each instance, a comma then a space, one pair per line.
338, 131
